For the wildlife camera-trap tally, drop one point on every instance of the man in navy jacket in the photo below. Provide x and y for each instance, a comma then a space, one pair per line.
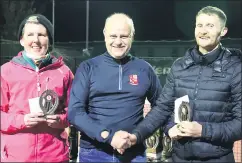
108, 95
210, 75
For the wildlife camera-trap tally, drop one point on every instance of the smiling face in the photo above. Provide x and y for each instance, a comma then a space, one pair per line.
118, 36
208, 32
35, 40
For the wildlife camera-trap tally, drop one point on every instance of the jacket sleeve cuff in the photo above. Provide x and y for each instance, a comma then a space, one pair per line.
206, 131
168, 127
138, 136
108, 139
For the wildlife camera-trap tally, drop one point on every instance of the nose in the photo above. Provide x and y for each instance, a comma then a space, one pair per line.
203, 30
118, 41
35, 38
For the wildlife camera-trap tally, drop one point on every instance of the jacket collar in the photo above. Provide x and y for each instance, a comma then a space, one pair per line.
19, 59
206, 59
193, 56
111, 60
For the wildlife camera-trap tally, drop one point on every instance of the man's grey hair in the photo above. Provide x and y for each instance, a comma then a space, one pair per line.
128, 19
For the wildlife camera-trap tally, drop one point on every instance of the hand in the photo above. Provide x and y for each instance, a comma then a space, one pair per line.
133, 140
146, 109
190, 129
32, 119
53, 121
120, 141
174, 133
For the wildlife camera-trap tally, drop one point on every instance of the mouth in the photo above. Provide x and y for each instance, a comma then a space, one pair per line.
203, 37
118, 47
36, 48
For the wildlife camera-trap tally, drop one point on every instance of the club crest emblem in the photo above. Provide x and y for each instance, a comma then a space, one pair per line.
133, 79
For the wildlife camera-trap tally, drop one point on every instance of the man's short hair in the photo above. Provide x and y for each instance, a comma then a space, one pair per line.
210, 10
129, 21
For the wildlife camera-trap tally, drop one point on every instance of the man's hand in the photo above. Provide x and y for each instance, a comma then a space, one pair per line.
146, 109
174, 133
190, 129
53, 121
133, 140
32, 119
120, 141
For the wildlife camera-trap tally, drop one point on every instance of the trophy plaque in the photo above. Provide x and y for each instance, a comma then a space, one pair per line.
184, 112
152, 142
49, 102
154, 147
167, 148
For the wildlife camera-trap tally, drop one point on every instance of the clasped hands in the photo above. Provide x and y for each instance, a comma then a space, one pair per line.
123, 140
32, 119
185, 129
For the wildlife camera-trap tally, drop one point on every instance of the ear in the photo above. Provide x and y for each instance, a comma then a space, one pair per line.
104, 34
21, 41
224, 31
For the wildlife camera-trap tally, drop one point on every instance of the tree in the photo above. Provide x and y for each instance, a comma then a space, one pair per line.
14, 11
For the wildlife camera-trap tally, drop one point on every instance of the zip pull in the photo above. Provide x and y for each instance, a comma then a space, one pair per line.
38, 83
38, 86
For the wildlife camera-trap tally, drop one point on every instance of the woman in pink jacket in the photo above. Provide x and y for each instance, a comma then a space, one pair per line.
27, 135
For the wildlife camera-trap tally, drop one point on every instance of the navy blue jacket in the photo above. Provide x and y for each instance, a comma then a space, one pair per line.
213, 84
109, 94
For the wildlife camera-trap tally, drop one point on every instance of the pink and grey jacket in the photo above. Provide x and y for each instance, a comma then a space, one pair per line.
20, 82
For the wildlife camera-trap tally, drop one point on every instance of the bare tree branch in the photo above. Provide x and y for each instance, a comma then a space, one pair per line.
15, 11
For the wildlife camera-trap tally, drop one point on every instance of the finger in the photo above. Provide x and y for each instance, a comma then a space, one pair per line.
38, 119
121, 151
123, 134
50, 121
183, 133
185, 124
127, 144
31, 124
38, 114
182, 130
122, 144
52, 116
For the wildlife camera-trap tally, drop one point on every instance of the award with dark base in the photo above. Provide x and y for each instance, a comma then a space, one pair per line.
154, 146
184, 112
49, 102
167, 149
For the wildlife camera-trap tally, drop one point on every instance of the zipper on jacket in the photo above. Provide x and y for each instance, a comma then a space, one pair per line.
38, 95
113, 156
47, 81
120, 77
36, 141
38, 82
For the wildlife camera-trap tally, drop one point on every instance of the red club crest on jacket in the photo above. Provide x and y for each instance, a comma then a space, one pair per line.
133, 79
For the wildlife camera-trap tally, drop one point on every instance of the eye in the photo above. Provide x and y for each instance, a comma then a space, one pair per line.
124, 37
41, 34
30, 34
113, 36
210, 25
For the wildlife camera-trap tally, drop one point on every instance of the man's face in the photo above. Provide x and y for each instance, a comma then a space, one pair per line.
118, 38
35, 39
208, 32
